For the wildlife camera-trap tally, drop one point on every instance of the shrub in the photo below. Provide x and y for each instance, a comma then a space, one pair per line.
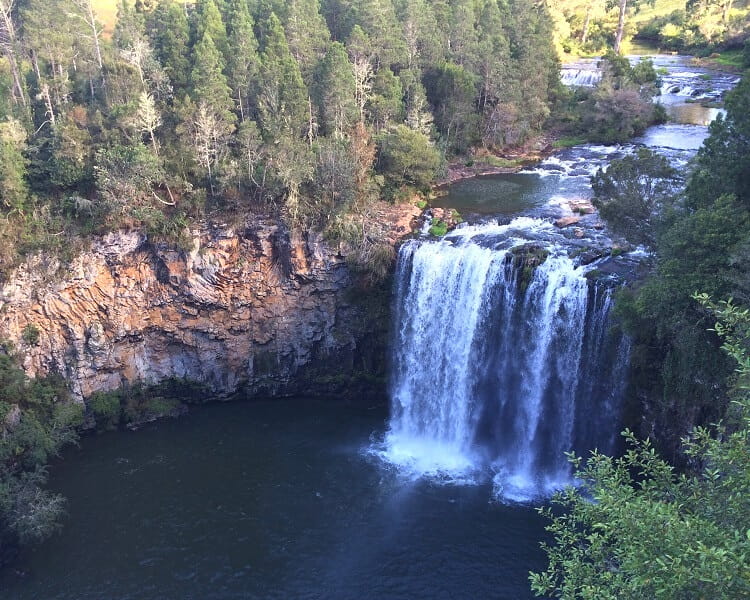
106, 409
438, 228
30, 335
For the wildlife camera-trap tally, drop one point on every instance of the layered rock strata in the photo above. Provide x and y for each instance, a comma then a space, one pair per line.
258, 310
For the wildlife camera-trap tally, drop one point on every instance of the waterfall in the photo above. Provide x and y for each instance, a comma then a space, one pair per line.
581, 77
500, 367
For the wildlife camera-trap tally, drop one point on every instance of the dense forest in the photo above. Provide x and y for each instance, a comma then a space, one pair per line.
304, 110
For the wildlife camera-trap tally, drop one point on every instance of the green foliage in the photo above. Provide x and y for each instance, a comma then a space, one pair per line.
408, 157
170, 36
105, 406
723, 163
221, 107
451, 89
209, 84
569, 141
140, 403
13, 188
209, 23
701, 242
633, 192
637, 529
282, 95
37, 420
438, 228
125, 179
621, 105
335, 92
140, 406
30, 335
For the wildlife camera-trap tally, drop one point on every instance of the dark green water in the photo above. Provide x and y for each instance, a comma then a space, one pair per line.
498, 194
270, 500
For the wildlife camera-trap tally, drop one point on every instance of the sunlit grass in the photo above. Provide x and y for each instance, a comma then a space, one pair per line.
660, 8
106, 12
730, 58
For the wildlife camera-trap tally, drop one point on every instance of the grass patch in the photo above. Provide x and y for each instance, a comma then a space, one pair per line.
568, 141
730, 58
106, 12
499, 161
648, 11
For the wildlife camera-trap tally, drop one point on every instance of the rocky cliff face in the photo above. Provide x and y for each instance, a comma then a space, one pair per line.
257, 310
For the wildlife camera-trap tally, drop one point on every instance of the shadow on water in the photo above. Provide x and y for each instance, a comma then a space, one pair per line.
270, 500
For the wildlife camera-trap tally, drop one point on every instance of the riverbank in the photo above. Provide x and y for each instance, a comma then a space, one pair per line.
482, 162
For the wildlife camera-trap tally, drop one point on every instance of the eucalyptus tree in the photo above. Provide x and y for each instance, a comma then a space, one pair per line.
362, 56
622, 10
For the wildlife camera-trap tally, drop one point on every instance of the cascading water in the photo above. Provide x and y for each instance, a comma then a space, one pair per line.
504, 360
588, 77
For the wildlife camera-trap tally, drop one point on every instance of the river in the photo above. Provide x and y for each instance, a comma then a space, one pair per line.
321, 499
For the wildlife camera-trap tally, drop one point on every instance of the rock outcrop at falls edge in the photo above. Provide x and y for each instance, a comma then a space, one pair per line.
257, 310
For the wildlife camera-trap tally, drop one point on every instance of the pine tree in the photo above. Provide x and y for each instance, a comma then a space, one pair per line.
244, 61
493, 54
170, 36
336, 92
426, 42
340, 17
208, 83
307, 35
386, 104
209, 20
282, 96
463, 40
377, 18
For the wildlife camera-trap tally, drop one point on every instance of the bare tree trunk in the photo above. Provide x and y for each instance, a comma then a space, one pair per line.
10, 48
311, 124
48, 103
621, 25
242, 107
587, 23
725, 9
90, 19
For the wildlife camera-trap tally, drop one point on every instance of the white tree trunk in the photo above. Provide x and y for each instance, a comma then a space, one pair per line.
621, 25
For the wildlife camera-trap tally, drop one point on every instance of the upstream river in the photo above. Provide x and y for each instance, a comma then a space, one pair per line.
301, 498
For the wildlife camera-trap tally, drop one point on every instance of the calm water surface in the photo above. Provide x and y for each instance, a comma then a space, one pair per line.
270, 500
